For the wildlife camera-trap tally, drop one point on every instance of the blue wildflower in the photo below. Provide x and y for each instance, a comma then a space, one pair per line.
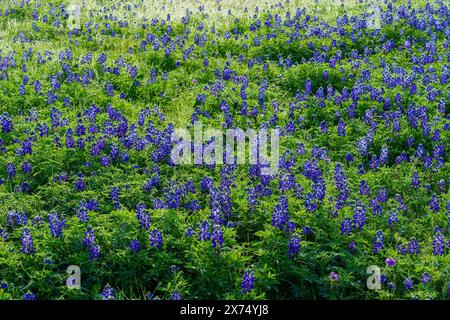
294, 245
27, 242
155, 238
107, 293
378, 242
134, 245
248, 281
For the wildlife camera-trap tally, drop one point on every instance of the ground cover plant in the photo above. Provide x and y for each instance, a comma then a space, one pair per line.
92, 205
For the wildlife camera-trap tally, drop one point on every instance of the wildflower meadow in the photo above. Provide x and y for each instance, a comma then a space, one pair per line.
223, 150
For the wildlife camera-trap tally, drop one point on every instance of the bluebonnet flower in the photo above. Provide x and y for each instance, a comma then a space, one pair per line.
280, 213
359, 216
349, 157
143, 216
441, 185
27, 242
109, 89
56, 118
436, 135
362, 146
190, 232
401, 248
37, 221
193, 205
201, 98
134, 245
101, 58
287, 182
311, 170
383, 155
37, 86
438, 244
364, 188
217, 237
90, 241
351, 246
377, 209
334, 277
54, 83
390, 262
56, 225
79, 183
378, 242
114, 196
434, 204
300, 149
410, 141
97, 147
4, 285
392, 219
11, 170
151, 183
413, 246
215, 205
3, 234
204, 233
206, 183
427, 162
92, 205
340, 178
105, 161
425, 278
294, 245
176, 295
401, 204
248, 281
70, 142
6, 123
346, 226
361, 169
16, 218
26, 147
420, 151
323, 127
158, 204
341, 127
408, 284
107, 293
307, 230
174, 268
155, 238
415, 181
82, 211
319, 190
29, 296
308, 86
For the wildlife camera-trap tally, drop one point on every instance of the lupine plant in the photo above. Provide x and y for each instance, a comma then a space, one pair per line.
90, 104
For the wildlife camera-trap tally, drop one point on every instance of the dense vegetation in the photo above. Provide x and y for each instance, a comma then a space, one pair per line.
88, 107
